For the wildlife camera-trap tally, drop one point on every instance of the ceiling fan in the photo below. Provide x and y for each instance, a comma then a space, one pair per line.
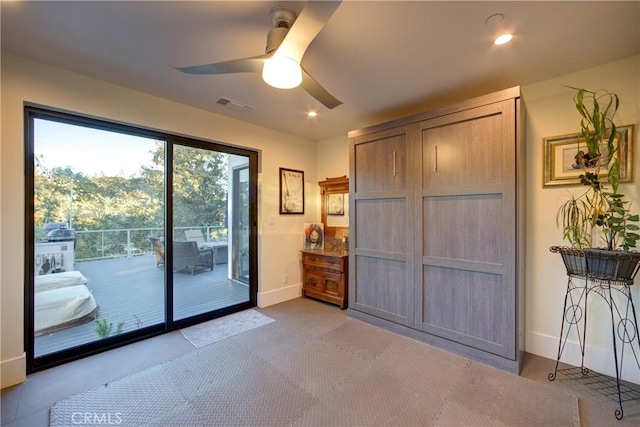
287, 43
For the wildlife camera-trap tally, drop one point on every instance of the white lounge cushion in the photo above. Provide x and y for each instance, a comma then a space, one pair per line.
63, 307
47, 282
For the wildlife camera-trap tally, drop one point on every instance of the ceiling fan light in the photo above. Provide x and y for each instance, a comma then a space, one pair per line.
282, 72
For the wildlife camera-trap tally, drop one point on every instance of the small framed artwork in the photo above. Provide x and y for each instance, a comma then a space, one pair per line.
314, 236
561, 154
291, 191
335, 204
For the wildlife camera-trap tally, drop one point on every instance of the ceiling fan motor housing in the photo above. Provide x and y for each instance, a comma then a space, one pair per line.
282, 16
275, 38
282, 19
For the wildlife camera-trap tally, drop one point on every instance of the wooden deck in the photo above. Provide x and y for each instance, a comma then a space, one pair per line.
131, 290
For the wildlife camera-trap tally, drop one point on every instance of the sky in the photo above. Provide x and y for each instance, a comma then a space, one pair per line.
90, 151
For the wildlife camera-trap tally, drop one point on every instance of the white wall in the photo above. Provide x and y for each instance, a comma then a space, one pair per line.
333, 157
332, 162
550, 112
23, 80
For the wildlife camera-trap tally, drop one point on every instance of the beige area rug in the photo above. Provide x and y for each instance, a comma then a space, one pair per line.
314, 366
215, 330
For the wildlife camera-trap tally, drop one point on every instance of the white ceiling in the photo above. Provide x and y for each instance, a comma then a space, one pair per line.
382, 59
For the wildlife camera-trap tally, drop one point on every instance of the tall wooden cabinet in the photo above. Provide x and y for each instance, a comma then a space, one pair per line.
437, 228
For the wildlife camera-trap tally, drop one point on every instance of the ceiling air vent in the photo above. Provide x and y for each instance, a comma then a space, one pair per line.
234, 105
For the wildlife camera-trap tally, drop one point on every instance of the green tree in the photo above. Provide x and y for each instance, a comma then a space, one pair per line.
200, 187
59, 195
116, 202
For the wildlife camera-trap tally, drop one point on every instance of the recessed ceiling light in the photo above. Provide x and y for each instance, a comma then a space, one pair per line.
312, 114
504, 38
494, 19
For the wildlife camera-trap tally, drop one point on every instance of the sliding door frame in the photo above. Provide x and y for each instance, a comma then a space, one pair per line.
34, 111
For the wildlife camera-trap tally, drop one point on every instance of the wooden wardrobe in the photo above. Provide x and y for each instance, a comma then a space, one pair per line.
437, 227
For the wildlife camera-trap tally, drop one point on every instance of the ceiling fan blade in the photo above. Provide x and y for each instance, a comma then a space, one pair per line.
318, 92
244, 65
306, 27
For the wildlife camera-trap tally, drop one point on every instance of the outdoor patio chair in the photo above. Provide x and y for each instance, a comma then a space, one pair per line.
219, 248
158, 249
187, 257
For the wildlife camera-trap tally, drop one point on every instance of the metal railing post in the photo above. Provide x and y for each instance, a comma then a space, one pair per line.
129, 248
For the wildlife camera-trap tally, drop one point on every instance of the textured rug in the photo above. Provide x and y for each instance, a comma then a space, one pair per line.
215, 330
314, 366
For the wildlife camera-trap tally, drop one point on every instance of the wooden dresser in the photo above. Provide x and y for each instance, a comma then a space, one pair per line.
325, 275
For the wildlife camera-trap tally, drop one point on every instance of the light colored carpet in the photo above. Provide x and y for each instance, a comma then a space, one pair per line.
318, 367
218, 329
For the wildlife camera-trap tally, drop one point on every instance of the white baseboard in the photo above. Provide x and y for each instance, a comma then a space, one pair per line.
265, 299
597, 359
13, 371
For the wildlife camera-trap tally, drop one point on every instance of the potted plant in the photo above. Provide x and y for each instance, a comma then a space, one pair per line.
598, 212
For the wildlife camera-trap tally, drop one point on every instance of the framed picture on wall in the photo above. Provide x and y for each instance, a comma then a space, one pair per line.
291, 191
561, 153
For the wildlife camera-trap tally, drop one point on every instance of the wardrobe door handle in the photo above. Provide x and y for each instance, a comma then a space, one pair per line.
394, 162
435, 158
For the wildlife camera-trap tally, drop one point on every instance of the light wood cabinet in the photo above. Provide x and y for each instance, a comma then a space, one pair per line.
325, 276
381, 209
437, 229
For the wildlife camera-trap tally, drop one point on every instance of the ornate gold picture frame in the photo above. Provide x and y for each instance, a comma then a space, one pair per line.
560, 166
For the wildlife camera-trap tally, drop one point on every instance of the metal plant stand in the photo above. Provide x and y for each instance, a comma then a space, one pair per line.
616, 292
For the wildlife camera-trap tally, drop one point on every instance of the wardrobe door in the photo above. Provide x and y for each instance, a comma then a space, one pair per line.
469, 228
380, 241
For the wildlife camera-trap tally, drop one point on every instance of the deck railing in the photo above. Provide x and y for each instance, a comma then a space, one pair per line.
129, 242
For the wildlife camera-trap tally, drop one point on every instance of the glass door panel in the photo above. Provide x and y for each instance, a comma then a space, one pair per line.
202, 195
98, 200
241, 224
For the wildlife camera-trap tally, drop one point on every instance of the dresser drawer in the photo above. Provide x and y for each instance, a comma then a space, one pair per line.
323, 261
321, 283
313, 281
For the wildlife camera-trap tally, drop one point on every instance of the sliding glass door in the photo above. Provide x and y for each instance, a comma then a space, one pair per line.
98, 196
130, 234
202, 281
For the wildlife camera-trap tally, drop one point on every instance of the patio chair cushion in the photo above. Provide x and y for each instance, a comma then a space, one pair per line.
47, 282
194, 236
62, 308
